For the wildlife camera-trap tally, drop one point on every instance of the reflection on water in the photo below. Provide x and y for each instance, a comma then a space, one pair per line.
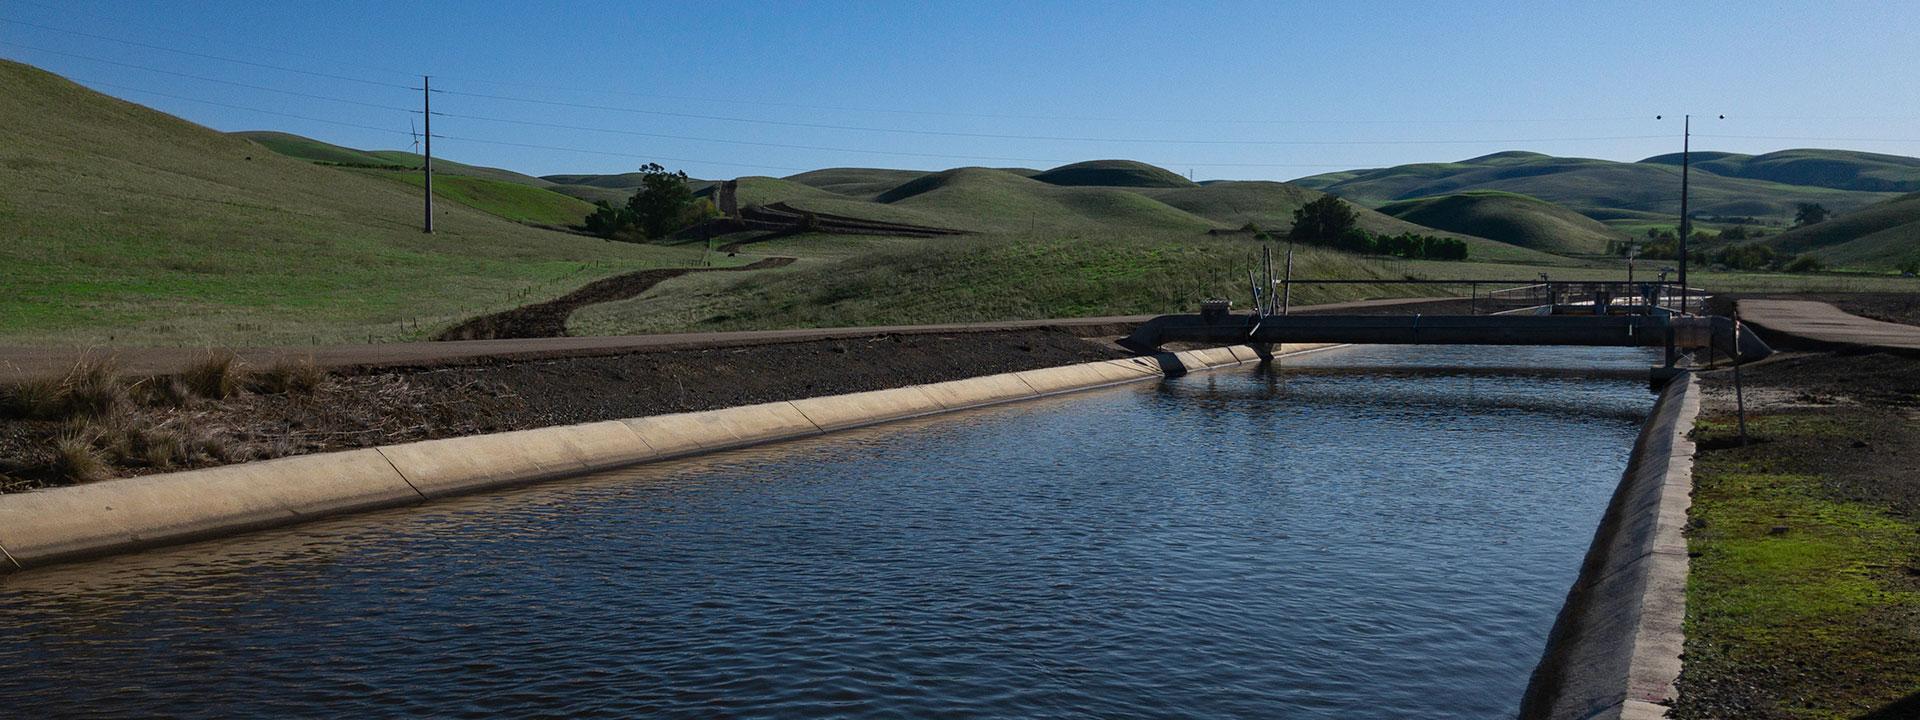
1231, 544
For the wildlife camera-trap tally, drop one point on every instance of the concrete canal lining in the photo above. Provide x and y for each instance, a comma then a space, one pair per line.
1614, 651
46, 527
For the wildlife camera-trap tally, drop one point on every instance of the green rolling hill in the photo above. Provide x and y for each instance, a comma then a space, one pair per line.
508, 194
1600, 189
1113, 173
126, 226
1511, 218
1878, 237
1837, 169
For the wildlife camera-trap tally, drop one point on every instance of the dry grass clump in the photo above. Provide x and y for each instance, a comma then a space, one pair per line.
91, 389
219, 376
76, 461
166, 392
291, 376
32, 399
94, 390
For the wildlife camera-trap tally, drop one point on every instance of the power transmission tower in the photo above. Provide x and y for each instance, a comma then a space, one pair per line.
426, 164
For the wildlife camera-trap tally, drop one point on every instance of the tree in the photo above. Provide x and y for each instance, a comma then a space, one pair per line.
1324, 220
1810, 213
663, 204
608, 221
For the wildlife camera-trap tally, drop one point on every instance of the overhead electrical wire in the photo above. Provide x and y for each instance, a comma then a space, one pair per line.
244, 107
212, 80
656, 158
191, 53
224, 41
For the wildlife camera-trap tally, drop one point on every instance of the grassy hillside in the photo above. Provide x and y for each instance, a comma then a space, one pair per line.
508, 194
1600, 189
1838, 169
128, 226
1880, 236
984, 198
975, 278
863, 183
1517, 219
307, 148
1113, 173
512, 201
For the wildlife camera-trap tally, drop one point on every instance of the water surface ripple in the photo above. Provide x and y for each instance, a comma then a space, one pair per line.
1240, 543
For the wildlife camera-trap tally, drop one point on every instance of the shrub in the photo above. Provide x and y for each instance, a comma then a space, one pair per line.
163, 392
1805, 263
93, 390
219, 376
291, 376
32, 399
75, 460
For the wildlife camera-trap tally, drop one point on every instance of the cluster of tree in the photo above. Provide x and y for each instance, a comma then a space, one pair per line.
1664, 244
1810, 213
1332, 223
662, 206
1742, 232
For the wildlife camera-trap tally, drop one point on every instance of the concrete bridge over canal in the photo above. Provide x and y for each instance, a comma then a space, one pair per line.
1584, 313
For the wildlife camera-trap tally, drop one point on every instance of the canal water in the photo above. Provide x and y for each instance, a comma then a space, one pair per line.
1299, 542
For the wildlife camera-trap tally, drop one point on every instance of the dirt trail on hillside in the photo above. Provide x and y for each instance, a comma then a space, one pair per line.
549, 319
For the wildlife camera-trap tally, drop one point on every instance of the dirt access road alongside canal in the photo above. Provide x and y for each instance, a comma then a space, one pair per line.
1804, 595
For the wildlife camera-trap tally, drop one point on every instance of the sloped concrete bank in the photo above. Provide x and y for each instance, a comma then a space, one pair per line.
1614, 651
57, 525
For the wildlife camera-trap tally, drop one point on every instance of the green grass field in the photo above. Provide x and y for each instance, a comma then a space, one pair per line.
126, 226
519, 203
1511, 218
1601, 189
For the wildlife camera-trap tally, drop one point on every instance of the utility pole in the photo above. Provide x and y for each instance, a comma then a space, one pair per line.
1686, 223
426, 165
1686, 220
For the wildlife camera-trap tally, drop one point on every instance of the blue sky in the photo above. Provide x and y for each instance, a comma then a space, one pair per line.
1222, 90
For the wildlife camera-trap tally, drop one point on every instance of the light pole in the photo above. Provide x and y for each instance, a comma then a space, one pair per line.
1686, 221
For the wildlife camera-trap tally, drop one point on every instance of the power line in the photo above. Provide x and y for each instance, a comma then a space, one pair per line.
208, 79
637, 133
210, 57
243, 107
1066, 118
615, 154
1802, 137
1049, 138
225, 41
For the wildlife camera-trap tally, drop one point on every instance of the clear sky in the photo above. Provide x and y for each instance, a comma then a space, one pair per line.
1222, 90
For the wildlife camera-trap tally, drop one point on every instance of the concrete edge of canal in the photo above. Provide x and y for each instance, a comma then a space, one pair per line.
47, 527
1614, 651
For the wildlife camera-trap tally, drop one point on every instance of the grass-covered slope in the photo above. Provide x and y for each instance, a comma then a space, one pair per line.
1879, 236
1838, 169
512, 201
1510, 218
127, 226
1113, 173
863, 183
988, 199
1600, 189
508, 194
307, 148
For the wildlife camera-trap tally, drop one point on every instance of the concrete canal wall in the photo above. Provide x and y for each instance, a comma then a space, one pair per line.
56, 525
1614, 651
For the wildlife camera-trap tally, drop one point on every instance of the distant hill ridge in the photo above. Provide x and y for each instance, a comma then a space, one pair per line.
1760, 186
1509, 217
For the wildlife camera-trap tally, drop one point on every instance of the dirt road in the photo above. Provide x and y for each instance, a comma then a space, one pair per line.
1811, 325
17, 363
